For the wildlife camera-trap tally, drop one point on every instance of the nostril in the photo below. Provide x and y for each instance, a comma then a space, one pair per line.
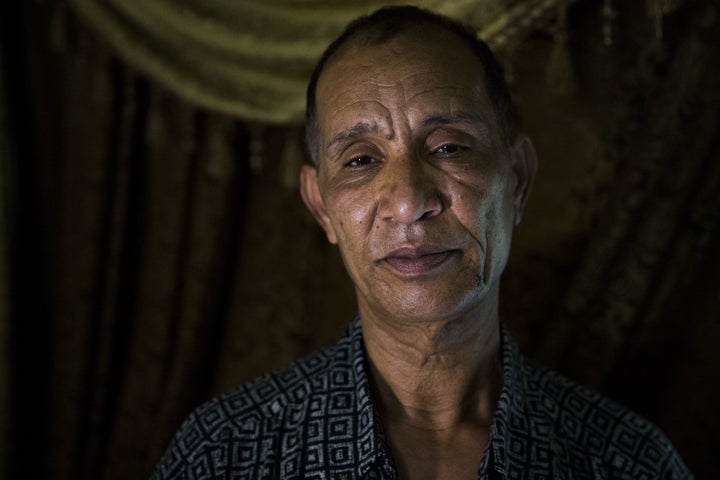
409, 204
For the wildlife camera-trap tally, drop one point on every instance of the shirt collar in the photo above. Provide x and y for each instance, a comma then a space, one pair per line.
510, 408
375, 458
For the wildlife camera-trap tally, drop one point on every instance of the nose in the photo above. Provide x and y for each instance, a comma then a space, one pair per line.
409, 192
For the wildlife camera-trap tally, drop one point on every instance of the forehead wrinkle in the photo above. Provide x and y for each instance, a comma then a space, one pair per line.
432, 90
455, 97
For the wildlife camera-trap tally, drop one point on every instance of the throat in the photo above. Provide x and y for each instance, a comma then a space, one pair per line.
439, 426
436, 388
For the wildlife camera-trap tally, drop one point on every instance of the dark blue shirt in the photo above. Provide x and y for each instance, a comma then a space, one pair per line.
315, 420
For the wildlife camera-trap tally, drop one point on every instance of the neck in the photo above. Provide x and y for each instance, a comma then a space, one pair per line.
436, 377
436, 386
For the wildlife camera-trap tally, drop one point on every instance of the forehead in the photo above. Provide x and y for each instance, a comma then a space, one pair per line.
413, 72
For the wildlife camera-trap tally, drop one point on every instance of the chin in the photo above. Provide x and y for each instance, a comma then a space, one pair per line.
424, 307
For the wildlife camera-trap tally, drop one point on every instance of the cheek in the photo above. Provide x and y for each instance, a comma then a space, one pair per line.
486, 212
351, 216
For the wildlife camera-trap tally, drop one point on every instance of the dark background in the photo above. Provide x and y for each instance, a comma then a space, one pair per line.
159, 253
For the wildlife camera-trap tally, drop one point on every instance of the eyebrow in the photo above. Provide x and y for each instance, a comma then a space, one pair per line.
349, 134
361, 129
459, 117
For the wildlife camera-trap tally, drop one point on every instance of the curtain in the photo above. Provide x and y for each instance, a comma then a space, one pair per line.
247, 58
160, 256
5, 153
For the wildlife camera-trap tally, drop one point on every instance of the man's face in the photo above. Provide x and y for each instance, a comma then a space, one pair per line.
414, 182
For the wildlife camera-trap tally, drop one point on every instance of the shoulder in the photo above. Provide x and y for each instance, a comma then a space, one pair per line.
591, 432
248, 420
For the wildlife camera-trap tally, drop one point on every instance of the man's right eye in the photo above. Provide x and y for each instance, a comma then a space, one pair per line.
360, 161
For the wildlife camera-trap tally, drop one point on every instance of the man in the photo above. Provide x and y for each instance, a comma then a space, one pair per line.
419, 179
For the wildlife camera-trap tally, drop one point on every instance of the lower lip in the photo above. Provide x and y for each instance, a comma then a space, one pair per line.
418, 265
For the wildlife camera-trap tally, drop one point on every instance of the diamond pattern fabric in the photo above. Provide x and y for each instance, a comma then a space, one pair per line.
315, 420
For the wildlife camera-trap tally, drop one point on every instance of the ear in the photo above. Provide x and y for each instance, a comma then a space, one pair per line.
310, 192
524, 165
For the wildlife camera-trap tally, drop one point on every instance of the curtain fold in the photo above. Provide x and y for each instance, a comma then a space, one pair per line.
5, 162
247, 58
654, 220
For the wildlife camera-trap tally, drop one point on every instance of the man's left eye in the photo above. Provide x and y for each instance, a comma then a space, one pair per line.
448, 149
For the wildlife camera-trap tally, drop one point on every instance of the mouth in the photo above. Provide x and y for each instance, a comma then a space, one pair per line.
416, 261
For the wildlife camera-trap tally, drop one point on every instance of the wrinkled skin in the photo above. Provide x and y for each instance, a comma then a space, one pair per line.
415, 184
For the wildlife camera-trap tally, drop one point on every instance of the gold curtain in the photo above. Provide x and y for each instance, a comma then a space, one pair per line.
248, 58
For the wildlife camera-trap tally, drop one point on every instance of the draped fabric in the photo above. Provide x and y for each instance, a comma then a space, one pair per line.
248, 58
156, 261
5, 154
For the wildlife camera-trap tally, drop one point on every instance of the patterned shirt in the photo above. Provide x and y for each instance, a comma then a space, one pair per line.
315, 420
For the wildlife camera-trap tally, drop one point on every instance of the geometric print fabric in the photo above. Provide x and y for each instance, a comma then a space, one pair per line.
315, 420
